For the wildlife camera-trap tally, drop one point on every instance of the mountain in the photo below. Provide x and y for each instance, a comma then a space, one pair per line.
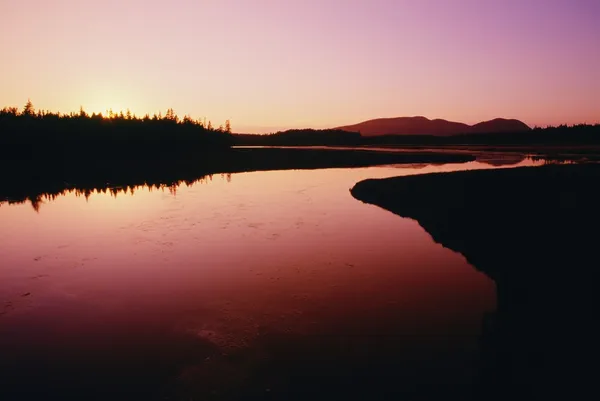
424, 126
499, 125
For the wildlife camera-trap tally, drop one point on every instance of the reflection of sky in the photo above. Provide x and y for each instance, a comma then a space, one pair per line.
268, 65
141, 279
266, 242
484, 160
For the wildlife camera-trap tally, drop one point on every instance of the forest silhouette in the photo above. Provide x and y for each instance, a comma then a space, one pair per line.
44, 153
42, 135
579, 134
301, 137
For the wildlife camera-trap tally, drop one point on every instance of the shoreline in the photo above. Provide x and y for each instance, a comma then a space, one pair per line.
24, 180
531, 230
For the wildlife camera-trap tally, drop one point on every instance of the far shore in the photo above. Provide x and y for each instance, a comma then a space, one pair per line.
21, 180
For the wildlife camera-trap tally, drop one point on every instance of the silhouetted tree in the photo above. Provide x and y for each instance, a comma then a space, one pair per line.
28, 110
171, 116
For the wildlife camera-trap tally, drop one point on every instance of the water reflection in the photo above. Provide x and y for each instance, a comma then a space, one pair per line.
548, 159
272, 285
503, 159
85, 191
30, 194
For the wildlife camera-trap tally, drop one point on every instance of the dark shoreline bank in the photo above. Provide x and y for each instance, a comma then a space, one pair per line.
23, 180
560, 136
532, 230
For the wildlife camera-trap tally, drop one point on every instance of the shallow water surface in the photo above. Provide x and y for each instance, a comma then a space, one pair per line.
256, 285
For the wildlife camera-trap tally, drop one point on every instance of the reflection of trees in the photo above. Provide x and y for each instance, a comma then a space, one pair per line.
37, 199
560, 159
45, 154
505, 159
35, 202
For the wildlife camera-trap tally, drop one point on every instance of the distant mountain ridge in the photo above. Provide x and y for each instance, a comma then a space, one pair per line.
423, 126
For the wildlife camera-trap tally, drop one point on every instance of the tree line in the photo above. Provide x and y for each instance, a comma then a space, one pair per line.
34, 134
301, 137
580, 134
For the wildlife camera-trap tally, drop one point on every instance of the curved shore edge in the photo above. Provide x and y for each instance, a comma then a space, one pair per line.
533, 230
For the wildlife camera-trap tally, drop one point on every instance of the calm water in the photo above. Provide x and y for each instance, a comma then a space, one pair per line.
233, 287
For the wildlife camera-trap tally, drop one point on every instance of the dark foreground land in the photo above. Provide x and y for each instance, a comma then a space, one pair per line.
29, 178
534, 232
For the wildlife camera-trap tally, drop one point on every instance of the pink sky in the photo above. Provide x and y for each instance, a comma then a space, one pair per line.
269, 65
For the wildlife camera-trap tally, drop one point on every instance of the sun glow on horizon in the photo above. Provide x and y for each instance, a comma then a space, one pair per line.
304, 63
104, 98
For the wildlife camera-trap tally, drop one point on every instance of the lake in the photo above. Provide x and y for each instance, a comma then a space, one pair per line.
262, 285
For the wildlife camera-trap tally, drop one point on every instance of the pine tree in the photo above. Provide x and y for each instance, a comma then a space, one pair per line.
28, 110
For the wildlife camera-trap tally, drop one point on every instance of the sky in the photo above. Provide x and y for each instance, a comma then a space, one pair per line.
268, 65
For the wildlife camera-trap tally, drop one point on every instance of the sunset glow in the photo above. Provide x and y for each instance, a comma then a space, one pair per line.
298, 199
103, 99
269, 65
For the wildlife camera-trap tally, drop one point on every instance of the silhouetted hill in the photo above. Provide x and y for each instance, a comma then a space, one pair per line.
424, 126
563, 135
499, 125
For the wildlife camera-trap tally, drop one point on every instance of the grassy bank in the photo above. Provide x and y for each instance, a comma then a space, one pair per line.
532, 230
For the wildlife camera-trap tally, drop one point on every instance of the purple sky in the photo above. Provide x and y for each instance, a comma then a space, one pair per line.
268, 65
